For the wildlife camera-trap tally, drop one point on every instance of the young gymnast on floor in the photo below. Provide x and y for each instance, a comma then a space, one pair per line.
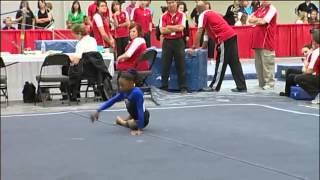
133, 96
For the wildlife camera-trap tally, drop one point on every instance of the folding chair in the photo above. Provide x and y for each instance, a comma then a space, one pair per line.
52, 81
3, 81
149, 55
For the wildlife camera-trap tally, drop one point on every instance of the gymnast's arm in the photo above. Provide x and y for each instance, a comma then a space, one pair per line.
111, 102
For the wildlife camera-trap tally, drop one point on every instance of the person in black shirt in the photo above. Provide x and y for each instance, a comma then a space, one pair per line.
8, 22
43, 17
307, 6
232, 13
25, 8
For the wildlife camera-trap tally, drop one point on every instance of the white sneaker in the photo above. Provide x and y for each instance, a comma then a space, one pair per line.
267, 87
316, 100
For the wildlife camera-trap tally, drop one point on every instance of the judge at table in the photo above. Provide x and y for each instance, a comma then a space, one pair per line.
85, 44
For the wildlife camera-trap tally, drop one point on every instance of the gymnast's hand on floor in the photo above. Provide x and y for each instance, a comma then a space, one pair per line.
136, 132
94, 116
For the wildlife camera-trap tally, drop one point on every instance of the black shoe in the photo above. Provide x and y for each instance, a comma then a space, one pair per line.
238, 90
283, 94
74, 100
183, 91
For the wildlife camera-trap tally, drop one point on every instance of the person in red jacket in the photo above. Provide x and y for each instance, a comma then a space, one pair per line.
121, 23
263, 43
136, 47
101, 26
92, 9
226, 38
143, 16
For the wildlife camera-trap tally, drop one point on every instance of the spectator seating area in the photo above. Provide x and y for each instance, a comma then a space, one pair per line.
293, 37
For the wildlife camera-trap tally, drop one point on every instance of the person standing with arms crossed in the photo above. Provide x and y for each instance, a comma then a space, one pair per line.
172, 24
226, 39
263, 43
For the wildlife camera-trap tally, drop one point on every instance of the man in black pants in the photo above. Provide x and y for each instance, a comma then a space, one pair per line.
172, 24
226, 39
310, 80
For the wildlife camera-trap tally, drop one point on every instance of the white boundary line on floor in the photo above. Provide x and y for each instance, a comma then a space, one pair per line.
167, 108
311, 107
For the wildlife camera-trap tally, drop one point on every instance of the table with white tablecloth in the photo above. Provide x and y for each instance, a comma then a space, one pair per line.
22, 68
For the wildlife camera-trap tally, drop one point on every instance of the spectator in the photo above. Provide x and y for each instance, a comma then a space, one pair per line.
130, 7
255, 5
172, 24
87, 24
195, 15
134, 50
307, 7
313, 17
101, 28
25, 8
245, 8
291, 73
121, 23
302, 19
263, 42
310, 80
142, 16
75, 15
182, 7
92, 9
43, 17
49, 9
159, 36
232, 13
8, 24
226, 38
148, 3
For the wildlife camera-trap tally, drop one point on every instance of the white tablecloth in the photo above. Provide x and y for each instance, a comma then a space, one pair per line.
22, 68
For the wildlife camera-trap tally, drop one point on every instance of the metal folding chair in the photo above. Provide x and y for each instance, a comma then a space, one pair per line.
3, 81
50, 81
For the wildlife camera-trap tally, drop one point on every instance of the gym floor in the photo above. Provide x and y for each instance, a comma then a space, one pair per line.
207, 136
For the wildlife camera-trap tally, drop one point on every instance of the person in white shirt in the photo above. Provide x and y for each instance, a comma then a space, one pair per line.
86, 43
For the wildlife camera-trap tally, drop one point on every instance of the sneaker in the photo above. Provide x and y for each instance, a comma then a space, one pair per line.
316, 100
267, 87
208, 89
238, 90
